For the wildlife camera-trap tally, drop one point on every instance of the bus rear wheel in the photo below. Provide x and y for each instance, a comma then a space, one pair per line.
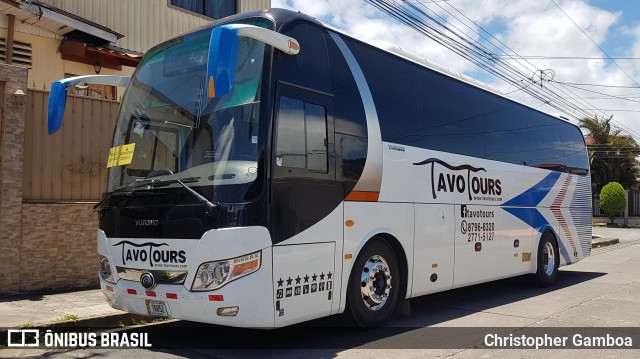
374, 285
548, 261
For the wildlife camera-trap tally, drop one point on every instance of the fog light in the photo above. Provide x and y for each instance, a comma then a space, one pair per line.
228, 311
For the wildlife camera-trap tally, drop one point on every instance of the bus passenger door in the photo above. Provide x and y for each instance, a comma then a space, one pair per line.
306, 205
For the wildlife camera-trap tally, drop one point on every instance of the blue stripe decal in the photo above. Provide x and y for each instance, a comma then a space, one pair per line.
523, 206
530, 216
534, 195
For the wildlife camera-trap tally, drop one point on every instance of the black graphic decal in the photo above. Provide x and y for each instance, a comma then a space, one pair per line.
279, 295
456, 183
151, 254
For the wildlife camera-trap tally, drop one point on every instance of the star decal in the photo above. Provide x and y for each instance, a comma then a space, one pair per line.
280, 282
306, 278
314, 276
322, 276
289, 280
298, 280
329, 275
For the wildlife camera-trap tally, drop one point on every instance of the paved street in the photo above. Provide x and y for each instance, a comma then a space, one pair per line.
601, 291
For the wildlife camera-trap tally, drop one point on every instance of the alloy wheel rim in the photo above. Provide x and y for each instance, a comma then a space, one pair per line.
375, 283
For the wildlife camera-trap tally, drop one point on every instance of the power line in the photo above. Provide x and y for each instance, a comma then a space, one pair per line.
543, 57
560, 99
598, 85
602, 93
493, 64
590, 39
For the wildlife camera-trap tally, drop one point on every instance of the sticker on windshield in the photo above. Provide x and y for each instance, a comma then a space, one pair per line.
121, 155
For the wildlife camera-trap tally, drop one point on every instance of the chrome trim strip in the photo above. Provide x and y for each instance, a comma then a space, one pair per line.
161, 276
371, 178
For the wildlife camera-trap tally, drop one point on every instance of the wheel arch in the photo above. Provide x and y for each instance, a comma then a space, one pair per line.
401, 256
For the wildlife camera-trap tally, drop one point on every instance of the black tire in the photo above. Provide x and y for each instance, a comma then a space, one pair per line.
548, 261
378, 258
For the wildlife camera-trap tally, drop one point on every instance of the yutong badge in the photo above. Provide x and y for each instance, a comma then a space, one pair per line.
147, 280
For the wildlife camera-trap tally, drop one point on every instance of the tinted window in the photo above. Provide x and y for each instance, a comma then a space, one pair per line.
214, 9
395, 91
302, 135
291, 148
456, 114
316, 122
506, 135
310, 67
546, 147
420, 107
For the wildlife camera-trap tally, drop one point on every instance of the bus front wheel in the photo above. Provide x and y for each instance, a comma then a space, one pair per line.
548, 261
374, 284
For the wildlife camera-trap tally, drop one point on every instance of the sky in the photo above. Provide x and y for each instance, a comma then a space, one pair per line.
588, 31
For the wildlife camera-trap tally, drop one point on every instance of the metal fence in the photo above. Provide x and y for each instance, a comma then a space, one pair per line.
71, 164
633, 204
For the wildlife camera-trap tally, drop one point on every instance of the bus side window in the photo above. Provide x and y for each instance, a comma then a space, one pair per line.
302, 135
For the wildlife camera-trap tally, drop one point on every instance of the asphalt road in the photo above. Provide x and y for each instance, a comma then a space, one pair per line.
601, 291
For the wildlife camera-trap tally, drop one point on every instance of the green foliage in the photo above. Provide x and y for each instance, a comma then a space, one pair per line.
68, 317
611, 154
612, 200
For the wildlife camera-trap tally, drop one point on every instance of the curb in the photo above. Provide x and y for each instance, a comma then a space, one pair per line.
603, 242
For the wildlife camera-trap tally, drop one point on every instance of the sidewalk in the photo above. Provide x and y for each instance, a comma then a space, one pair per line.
86, 308
83, 308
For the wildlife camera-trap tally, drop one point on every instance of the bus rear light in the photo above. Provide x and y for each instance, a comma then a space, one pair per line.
213, 275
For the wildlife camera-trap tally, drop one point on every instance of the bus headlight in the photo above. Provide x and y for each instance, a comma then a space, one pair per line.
213, 275
105, 270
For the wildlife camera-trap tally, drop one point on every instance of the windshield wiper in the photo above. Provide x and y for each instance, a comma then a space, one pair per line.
100, 205
203, 200
154, 183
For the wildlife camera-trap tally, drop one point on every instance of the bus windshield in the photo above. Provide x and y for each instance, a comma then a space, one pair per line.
177, 133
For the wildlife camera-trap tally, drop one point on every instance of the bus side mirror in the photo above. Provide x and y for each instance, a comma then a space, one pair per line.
58, 95
222, 59
55, 108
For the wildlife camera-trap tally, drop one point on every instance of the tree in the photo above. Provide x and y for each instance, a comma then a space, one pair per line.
612, 200
611, 154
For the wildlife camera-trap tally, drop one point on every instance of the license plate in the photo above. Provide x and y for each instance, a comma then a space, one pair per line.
157, 308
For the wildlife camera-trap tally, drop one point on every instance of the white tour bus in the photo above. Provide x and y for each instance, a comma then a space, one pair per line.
268, 170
